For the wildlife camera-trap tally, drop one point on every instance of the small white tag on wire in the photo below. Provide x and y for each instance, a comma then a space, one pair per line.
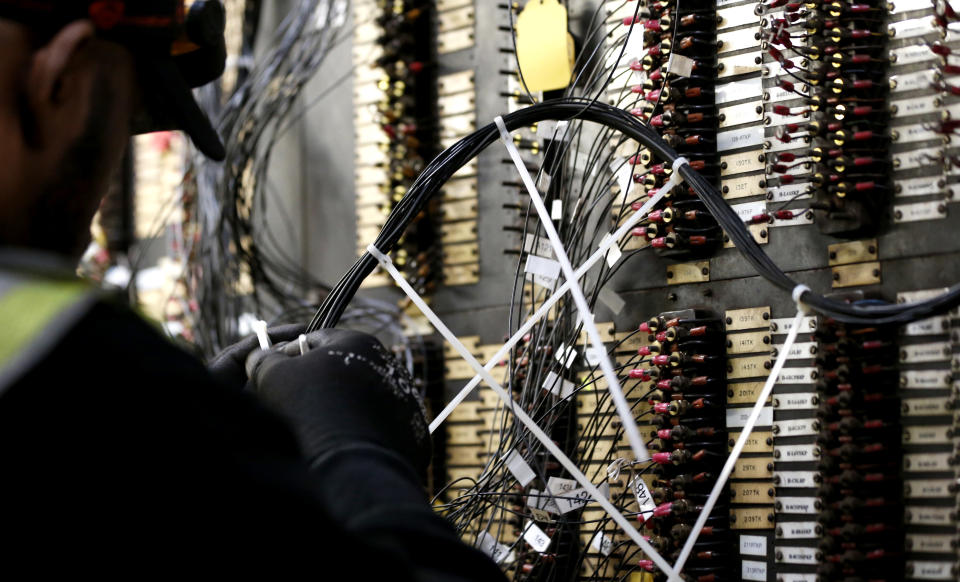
556, 210
569, 497
645, 501
566, 355
542, 271
680, 65
613, 253
612, 299
623, 174
541, 505
543, 184
540, 246
519, 468
535, 536
602, 543
499, 553
557, 385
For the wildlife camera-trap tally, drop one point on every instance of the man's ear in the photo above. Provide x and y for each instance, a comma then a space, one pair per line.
57, 91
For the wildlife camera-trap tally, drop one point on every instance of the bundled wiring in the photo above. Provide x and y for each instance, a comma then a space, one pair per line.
242, 264
448, 162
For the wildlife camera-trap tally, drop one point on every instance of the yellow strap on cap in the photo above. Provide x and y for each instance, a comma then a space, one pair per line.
27, 309
545, 49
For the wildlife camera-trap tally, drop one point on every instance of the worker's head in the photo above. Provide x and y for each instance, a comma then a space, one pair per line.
77, 78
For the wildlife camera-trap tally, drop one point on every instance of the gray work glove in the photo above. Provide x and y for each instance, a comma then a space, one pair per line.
228, 367
347, 388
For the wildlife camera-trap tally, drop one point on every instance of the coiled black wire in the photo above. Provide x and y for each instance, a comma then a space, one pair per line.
442, 168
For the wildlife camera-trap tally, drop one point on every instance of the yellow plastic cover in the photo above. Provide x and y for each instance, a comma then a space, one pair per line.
544, 47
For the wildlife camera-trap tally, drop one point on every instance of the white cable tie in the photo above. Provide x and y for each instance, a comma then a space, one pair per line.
675, 179
382, 258
798, 292
260, 328
520, 414
546, 306
623, 408
720, 485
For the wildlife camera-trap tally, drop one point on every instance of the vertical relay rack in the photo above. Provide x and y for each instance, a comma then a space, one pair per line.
828, 128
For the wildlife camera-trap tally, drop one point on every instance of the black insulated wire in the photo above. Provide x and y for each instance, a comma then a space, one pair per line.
442, 168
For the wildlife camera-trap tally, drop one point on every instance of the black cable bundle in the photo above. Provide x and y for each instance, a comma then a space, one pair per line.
449, 161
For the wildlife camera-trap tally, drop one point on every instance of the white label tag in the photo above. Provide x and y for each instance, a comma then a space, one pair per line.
794, 555
796, 578
612, 299
932, 543
754, 571
929, 489
738, 90
753, 546
929, 352
921, 515
925, 379
749, 210
936, 325
930, 570
795, 453
544, 183
602, 543
737, 417
572, 500
798, 530
680, 65
538, 246
645, 501
499, 553
799, 427
623, 175
792, 192
801, 401
556, 210
802, 351
797, 375
913, 27
740, 138
541, 505
557, 385
800, 505
519, 468
927, 186
545, 269
782, 326
558, 485
939, 435
800, 479
613, 253
534, 536
566, 355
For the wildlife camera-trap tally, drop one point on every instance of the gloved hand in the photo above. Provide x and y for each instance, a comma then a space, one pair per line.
346, 388
228, 367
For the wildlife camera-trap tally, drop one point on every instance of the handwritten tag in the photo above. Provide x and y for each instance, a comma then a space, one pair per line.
645, 500
535, 536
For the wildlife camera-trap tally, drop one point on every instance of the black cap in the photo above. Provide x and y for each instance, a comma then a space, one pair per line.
174, 51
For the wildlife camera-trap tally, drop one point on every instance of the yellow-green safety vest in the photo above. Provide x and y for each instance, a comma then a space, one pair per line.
35, 313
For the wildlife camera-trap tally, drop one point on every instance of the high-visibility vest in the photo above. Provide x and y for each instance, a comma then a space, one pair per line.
36, 312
